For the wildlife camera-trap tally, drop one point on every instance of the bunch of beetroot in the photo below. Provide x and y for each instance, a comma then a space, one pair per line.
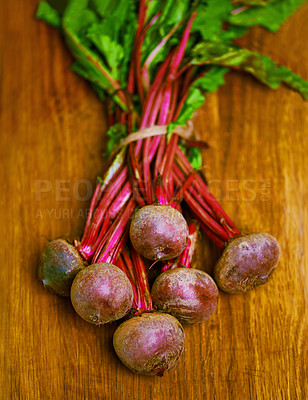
152, 199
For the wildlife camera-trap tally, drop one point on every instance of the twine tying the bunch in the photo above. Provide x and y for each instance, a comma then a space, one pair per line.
186, 132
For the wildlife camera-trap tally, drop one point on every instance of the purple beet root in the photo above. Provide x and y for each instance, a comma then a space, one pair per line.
158, 232
190, 295
60, 263
247, 262
150, 343
101, 293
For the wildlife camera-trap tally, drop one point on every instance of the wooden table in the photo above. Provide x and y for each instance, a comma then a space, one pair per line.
52, 139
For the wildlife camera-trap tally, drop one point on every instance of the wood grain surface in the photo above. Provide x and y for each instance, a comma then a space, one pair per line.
52, 138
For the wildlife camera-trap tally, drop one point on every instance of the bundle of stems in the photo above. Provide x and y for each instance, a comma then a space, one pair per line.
151, 169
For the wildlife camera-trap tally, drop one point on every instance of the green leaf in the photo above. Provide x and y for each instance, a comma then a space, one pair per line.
113, 37
233, 32
212, 79
194, 157
261, 67
103, 8
77, 20
210, 17
77, 17
113, 52
48, 14
193, 102
86, 69
174, 11
116, 133
271, 17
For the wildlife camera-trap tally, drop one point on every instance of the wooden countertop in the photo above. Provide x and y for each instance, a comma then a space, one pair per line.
52, 138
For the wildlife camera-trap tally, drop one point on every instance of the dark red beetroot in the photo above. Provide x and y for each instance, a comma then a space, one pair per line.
247, 262
190, 295
101, 293
60, 262
150, 343
158, 232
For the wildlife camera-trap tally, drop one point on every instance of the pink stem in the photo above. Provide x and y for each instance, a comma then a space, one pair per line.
167, 165
136, 177
157, 49
147, 172
211, 235
110, 175
139, 38
207, 195
117, 230
89, 242
186, 257
142, 283
147, 109
129, 265
174, 99
180, 105
180, 181
121, 263
160, 191
205, 218
93, 203
178, 56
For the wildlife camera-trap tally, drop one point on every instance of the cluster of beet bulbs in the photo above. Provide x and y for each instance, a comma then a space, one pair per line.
151, 338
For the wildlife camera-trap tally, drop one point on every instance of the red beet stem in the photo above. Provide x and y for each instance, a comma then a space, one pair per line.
147, 109
136, 176
142, 283
160, 191
130, 268
180, 181
208, 197
110, 204
147, 176
157, 49
111, 173
116, 231
178, 56
121, 263
168, 161
139, 38
186, 257
205, 218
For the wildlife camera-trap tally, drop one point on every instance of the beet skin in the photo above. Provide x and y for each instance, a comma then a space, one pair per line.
158, 232
188, 294
60, 263
101, 293
150, 343
247, 262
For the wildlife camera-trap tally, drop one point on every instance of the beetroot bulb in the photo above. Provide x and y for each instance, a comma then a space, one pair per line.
59, 264
101, 293
247, 260
158, 232
188, 294
148, 343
